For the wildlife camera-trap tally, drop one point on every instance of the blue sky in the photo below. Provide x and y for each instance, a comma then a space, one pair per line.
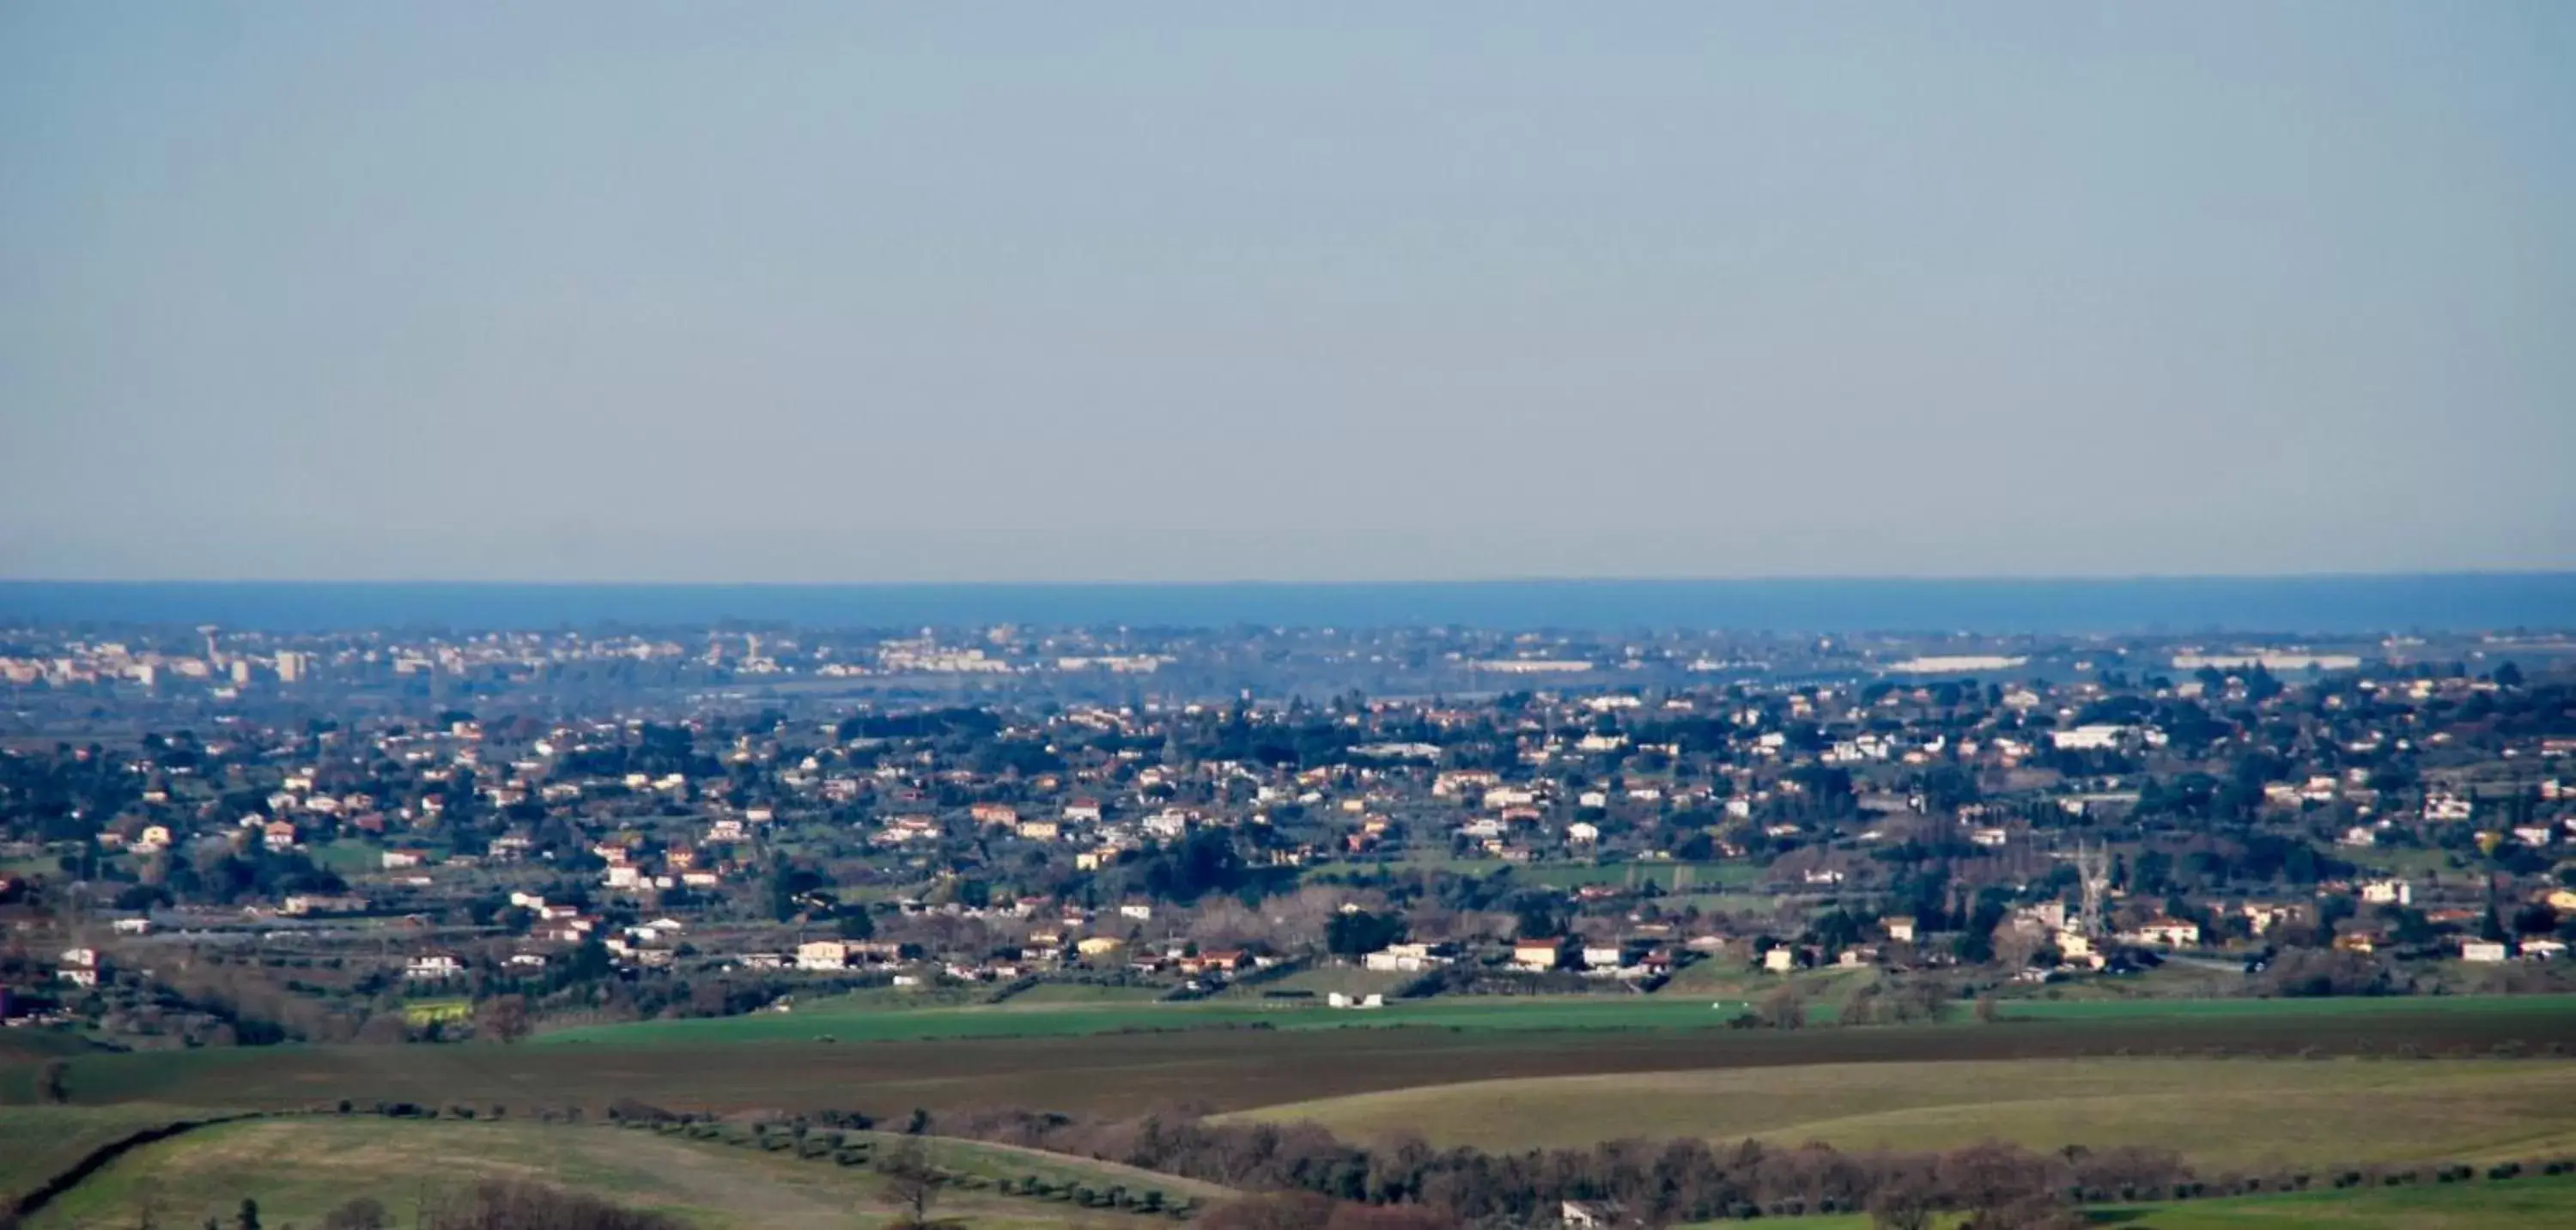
858, 292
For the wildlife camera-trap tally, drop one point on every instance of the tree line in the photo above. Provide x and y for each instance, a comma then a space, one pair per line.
1654, 1183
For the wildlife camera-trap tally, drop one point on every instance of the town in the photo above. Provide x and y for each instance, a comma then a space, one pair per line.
217, 838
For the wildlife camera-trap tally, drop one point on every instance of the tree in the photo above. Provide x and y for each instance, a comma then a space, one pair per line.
1785, 1009
504, 1019
363, 1213
1536, 918
911, 1182
1901, 1206
1360, 932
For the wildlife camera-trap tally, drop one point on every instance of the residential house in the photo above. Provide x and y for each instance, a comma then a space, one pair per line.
434, 967
1538, 956
1406, 958
823, 955
1603, 956
2167, 933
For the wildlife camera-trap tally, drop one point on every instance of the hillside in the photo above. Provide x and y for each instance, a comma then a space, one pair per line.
298, 1168
2236, 1113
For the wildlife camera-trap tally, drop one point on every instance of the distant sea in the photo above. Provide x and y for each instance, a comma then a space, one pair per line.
2326, 605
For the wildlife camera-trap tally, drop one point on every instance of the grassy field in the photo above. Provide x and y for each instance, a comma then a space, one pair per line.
1057, 994
299, 1168
423, 1011
1071, 1057
2512, 1205
2152, 1008
2221, 1114
998, 1161
1687, 1005
347, 857
1024, 1017
37, 1144
1320, 982
37, 1045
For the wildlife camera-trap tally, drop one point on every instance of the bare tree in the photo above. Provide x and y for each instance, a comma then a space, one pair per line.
912, 1182
504, 1019
362, 1213
1784, 1009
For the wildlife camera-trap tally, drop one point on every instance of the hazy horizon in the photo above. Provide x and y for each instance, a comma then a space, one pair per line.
839, 294
2292, 606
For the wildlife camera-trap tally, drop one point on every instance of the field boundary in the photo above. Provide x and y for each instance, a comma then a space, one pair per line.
1109, 1185
90, 1163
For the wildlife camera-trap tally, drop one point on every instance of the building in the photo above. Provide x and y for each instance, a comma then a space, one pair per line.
1406, 958
823, 955
1538, 956
2166, 933
434, 967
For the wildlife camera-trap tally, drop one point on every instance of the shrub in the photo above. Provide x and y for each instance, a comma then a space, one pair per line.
530, 1206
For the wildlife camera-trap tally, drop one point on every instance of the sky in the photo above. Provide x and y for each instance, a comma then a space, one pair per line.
1040, 292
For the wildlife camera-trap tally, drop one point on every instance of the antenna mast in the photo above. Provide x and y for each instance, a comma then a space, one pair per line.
2093, 867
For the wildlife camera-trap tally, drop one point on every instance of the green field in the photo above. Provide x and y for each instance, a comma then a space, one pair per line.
1321, 981
868, 1017
2321, 1009
1057, 994
347, 857
420, 1012
997, 1161
1022, 1017
299, 1168
2220, 1114
2512, 1205
1076, 1057
36, 1145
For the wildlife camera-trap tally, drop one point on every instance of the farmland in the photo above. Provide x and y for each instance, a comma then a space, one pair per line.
35, 1145
2222, 1114
1102, 1012
1071, 1057
298, 1168
2473, 1206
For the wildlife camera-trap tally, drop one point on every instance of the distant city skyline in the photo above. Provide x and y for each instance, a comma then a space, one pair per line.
846, 293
